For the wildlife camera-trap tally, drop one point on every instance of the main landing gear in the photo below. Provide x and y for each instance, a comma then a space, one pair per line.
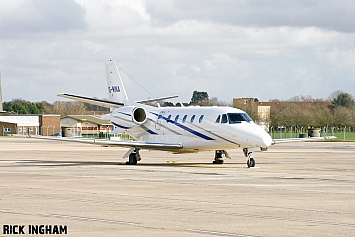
251, 161
134, 157
219, 156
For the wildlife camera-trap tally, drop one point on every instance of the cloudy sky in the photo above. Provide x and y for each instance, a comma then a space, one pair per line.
273, 49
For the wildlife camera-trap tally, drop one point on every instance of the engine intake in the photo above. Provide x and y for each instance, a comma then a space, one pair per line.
139, 115
129, 116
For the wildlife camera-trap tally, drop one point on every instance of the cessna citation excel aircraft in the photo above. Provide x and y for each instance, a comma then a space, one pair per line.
175, 129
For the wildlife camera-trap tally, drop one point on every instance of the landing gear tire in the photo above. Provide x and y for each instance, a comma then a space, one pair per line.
219, 157
134, 157
218, 162
248, 154
251, 162
132, 160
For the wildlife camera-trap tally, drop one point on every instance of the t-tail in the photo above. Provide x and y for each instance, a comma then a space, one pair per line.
116, 90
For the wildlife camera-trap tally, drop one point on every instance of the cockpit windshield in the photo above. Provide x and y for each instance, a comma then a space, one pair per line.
238, 117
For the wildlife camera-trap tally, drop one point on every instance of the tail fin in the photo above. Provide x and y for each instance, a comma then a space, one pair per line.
116, 90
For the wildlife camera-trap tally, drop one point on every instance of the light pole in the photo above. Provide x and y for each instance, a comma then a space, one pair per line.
291, 130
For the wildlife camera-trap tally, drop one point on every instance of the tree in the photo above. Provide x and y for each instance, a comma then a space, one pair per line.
342, 117
252, 111
341, 99
215, 102
322, 116
24, 107
199, 98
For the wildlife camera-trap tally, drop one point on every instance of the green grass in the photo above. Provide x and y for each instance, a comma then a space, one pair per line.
349, 136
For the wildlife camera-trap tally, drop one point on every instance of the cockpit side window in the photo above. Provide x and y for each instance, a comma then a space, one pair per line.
218, 119
238, 117
224, 118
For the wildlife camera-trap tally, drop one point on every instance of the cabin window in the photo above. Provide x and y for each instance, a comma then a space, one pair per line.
184, 118
224, 118
168, 119
218, 119
239, 117
193, 118
176, 118
160, 116
201, 118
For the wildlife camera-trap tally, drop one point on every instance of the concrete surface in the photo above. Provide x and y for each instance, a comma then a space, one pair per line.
298, 189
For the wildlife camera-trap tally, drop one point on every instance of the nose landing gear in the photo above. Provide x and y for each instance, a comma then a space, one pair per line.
248, 154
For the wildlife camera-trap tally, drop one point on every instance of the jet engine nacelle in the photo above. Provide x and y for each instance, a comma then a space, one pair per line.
129, 116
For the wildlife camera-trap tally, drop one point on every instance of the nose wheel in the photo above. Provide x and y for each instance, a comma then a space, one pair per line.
248, 154
251, 162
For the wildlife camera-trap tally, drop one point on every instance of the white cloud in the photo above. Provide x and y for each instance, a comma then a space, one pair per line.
261, 14
227, 48
24, 18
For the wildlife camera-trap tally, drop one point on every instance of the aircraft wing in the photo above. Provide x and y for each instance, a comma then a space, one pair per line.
122, 143
275, 141
99, 102
107, 103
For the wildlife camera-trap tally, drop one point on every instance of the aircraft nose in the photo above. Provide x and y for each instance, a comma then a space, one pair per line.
265, 140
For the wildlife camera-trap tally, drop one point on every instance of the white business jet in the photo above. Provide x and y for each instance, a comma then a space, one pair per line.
175, 129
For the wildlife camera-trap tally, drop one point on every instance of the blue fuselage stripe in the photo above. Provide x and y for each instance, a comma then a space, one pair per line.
120, 126
148, 130
186, 128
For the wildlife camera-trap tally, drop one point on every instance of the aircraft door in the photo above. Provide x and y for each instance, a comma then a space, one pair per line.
159, 120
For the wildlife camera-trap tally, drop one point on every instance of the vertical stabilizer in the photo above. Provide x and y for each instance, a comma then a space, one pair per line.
116, 90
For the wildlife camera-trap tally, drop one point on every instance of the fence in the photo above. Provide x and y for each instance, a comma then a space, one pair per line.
342, 134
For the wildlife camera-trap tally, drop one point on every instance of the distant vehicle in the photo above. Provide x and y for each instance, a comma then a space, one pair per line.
175, 129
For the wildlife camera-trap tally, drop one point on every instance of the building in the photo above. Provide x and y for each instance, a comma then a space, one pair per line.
49, 124
45, 125
81, 125
251, 105
243, 103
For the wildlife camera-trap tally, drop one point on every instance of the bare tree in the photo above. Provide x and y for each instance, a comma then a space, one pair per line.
213, 101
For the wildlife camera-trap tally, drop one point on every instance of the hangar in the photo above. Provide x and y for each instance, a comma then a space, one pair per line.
81, 125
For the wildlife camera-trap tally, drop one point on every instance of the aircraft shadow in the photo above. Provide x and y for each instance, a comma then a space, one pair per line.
52, 163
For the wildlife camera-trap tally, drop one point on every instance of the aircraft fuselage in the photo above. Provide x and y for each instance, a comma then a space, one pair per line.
196, 128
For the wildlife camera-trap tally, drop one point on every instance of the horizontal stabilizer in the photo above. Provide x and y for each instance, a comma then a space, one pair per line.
99, 102
275, 141
157, 99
